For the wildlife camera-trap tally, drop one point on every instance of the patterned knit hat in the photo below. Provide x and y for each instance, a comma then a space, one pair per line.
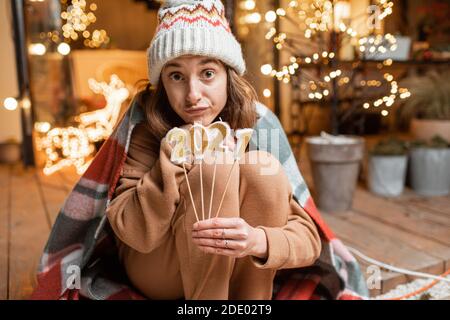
196, 27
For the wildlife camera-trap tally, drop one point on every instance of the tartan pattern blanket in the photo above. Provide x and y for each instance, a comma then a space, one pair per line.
80, 258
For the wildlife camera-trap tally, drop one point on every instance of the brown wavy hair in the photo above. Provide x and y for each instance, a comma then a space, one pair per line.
239, 110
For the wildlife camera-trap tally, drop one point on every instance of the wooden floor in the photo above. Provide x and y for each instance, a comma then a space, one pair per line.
29, 204
410, 232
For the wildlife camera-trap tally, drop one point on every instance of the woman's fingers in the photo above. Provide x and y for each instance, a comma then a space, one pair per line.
216, 243
217, 223
221, 251
224, 236
223, 233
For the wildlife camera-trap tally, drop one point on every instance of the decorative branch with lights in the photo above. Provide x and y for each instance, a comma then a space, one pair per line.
77, 19
313, 33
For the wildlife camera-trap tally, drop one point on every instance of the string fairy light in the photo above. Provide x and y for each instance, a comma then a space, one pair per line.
372, 45
312, 19
78, 17
387, 100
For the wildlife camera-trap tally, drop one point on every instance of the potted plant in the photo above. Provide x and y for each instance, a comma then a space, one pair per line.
387, 167
430, 167
335, 164
428, 109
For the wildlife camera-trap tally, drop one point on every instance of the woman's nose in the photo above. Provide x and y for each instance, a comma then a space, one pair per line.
194, 93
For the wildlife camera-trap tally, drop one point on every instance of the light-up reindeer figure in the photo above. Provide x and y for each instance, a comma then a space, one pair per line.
99, 124
74, 145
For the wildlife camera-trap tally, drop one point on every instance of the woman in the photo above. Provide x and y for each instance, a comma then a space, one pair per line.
196, 69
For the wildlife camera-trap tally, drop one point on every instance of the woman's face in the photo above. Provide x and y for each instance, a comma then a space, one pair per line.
196, 87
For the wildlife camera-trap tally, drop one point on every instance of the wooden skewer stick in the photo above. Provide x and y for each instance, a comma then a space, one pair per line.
190, 192
212, 189
226, 187
201, 189
214, 174
224, 130
243, 136
197, 149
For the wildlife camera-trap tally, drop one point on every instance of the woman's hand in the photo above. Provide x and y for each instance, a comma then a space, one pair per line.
230, 237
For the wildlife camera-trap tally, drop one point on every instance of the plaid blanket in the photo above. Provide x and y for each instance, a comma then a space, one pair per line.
80, 259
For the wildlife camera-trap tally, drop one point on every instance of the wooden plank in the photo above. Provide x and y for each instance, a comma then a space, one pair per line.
398, 216
438, 205
431, 209
385, 244
387, 277
29, 232
403, 238
426, 214
54, 191
4, 234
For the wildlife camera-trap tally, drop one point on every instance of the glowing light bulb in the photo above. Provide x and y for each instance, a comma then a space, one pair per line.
270, 16
10, 104
248, 5
281, 12
252, 18
64, 49
37, 49
266, 69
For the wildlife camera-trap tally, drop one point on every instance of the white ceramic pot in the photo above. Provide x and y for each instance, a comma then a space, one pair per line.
430, 171
387, 175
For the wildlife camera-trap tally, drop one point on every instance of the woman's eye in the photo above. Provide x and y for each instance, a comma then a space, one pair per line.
176, 77
209, 74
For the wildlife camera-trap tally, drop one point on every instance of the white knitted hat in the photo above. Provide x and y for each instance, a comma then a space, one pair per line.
196, 27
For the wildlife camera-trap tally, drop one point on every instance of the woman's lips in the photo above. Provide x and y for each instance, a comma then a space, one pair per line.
196, 110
